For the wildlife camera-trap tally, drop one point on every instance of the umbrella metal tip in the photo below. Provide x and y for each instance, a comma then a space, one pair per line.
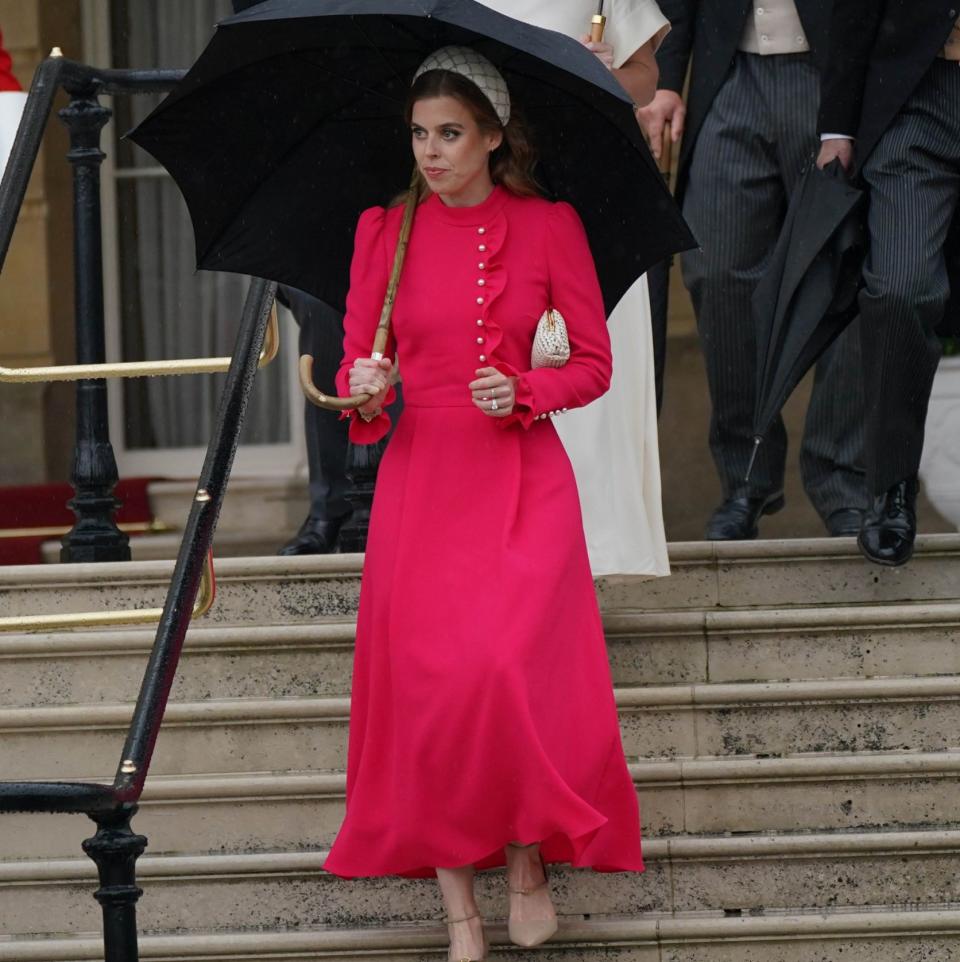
757, 441
56, 52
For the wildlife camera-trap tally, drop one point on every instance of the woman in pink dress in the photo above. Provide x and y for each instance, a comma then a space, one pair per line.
483, 728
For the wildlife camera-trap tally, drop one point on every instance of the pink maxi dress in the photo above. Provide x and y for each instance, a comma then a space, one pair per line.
482, 705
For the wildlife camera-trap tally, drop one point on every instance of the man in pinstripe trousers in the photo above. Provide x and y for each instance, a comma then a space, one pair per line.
750, 129
903, 56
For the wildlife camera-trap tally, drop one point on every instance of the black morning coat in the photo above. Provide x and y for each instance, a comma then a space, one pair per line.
889, 48
709, 32
882, 64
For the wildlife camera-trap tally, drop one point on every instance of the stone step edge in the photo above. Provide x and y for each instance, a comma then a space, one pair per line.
714, 553
659, 623
259, 865
652, 625
411, 939
321, 633
336, 708
124, 573
645, 774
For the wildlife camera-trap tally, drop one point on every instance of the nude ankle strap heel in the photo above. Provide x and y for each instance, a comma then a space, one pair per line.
532, 932
467, 918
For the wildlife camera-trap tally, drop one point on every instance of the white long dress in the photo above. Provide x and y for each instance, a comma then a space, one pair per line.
612, 443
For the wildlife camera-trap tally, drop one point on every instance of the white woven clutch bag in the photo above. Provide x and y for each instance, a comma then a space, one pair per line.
551, 347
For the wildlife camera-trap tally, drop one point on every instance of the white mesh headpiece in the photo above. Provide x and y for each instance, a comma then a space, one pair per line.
477, 69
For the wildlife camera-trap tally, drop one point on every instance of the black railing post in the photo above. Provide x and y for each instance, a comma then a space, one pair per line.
363, 463
115, 849
94, 536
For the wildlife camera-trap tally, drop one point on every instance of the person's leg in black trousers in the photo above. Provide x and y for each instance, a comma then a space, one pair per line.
321, 335
658, 283
751, 151
914, 180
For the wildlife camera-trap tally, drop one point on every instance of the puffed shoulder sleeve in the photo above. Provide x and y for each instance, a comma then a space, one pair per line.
575, 293
633, 23
369, 273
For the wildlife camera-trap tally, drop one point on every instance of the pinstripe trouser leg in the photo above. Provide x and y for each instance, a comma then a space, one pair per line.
914, 179
753, 146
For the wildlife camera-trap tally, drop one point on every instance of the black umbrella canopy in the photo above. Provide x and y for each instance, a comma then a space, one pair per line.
807, 295
290, 124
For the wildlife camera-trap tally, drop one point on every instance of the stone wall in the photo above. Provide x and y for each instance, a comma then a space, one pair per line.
36, 285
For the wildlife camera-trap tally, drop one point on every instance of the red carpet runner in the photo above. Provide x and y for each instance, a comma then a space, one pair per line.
45, 506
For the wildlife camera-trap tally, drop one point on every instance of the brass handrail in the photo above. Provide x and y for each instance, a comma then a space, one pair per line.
156, 526
108, 619
192, 365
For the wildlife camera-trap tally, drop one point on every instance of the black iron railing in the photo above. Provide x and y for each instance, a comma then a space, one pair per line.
115, 847
95, 535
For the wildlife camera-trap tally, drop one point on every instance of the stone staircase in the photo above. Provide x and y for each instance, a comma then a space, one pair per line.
791, 717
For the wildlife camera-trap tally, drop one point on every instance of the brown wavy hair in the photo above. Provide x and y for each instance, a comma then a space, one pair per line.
513, 162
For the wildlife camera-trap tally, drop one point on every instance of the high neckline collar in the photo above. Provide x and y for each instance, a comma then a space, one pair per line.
473, 216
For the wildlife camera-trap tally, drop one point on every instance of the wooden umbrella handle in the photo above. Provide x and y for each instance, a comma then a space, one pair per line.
666, 150
597, 26
316, 396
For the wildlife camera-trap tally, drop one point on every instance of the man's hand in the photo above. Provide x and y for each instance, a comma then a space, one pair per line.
666, 107
838, 148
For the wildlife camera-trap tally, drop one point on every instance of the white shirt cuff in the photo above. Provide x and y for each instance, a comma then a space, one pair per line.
836, 137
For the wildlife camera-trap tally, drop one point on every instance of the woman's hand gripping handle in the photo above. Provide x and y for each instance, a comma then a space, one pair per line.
371, 377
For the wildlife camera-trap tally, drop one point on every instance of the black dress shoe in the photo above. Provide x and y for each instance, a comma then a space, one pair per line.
845, 522
314, 537
736, 519
890, 526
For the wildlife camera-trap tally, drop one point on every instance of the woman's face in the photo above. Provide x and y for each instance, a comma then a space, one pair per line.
451, 150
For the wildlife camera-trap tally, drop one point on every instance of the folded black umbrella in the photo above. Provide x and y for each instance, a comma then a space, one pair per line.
808, 294
290, 124
658, 283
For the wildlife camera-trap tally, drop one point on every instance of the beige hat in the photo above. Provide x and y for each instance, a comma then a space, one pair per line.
478, 70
